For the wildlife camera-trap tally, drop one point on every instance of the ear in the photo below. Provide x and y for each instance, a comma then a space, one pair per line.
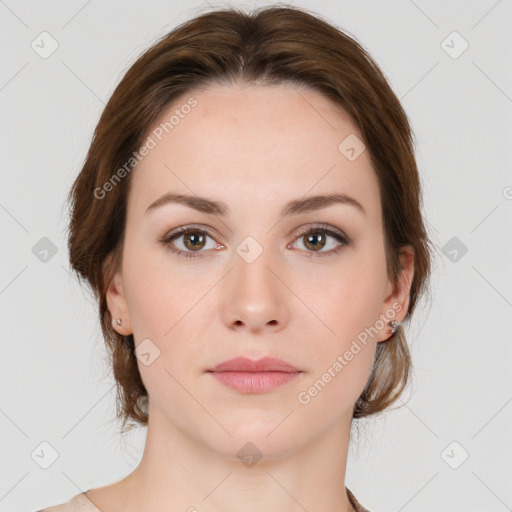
116, 300
396, 299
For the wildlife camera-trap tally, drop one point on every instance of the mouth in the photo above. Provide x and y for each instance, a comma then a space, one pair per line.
248, 376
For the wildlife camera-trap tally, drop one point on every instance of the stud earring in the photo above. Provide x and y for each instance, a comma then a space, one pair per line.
119, 321
394, 326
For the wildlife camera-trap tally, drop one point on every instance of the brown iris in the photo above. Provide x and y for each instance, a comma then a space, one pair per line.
314, 238
194, 240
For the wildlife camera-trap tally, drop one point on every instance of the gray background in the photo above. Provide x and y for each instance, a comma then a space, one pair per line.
55, 385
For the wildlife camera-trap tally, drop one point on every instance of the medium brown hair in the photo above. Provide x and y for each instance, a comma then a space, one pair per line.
270, 45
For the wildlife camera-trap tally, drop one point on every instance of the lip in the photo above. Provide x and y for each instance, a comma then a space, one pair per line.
244, 364
248, 376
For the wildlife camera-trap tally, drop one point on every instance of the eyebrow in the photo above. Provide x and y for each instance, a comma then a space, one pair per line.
296, 206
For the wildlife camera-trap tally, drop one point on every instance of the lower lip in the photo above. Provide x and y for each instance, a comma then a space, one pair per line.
254, 382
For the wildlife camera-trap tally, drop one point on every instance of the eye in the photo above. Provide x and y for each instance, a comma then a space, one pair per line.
315, 239
194, 240
189, 241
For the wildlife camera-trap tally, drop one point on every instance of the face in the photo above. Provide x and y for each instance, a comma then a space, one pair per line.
308, 287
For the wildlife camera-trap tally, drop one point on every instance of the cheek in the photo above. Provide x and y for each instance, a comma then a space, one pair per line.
156, 293
344, 355
162, 311
351, 300
348, 304
167, 307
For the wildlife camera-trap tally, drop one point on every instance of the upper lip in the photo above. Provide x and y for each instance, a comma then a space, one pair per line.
266, 364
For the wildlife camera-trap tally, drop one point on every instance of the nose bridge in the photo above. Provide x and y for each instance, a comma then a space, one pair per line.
255, 296
253, 262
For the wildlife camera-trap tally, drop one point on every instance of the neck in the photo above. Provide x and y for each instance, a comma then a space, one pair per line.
177, 472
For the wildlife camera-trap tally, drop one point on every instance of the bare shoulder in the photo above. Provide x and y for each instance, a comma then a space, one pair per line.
56, 508
75, 504
90, 501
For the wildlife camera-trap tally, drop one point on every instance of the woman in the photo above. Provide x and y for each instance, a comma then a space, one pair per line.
249, 217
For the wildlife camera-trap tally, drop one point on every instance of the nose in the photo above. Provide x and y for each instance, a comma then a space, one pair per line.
254, 297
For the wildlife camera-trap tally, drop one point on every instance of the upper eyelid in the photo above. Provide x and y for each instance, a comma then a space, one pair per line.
182, 230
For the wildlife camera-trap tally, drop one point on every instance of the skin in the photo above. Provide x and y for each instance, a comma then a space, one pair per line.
254, 148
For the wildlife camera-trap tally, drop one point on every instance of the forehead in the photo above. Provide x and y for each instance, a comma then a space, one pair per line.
260, 142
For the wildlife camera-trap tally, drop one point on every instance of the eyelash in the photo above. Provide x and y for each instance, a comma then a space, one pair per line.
166, 240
